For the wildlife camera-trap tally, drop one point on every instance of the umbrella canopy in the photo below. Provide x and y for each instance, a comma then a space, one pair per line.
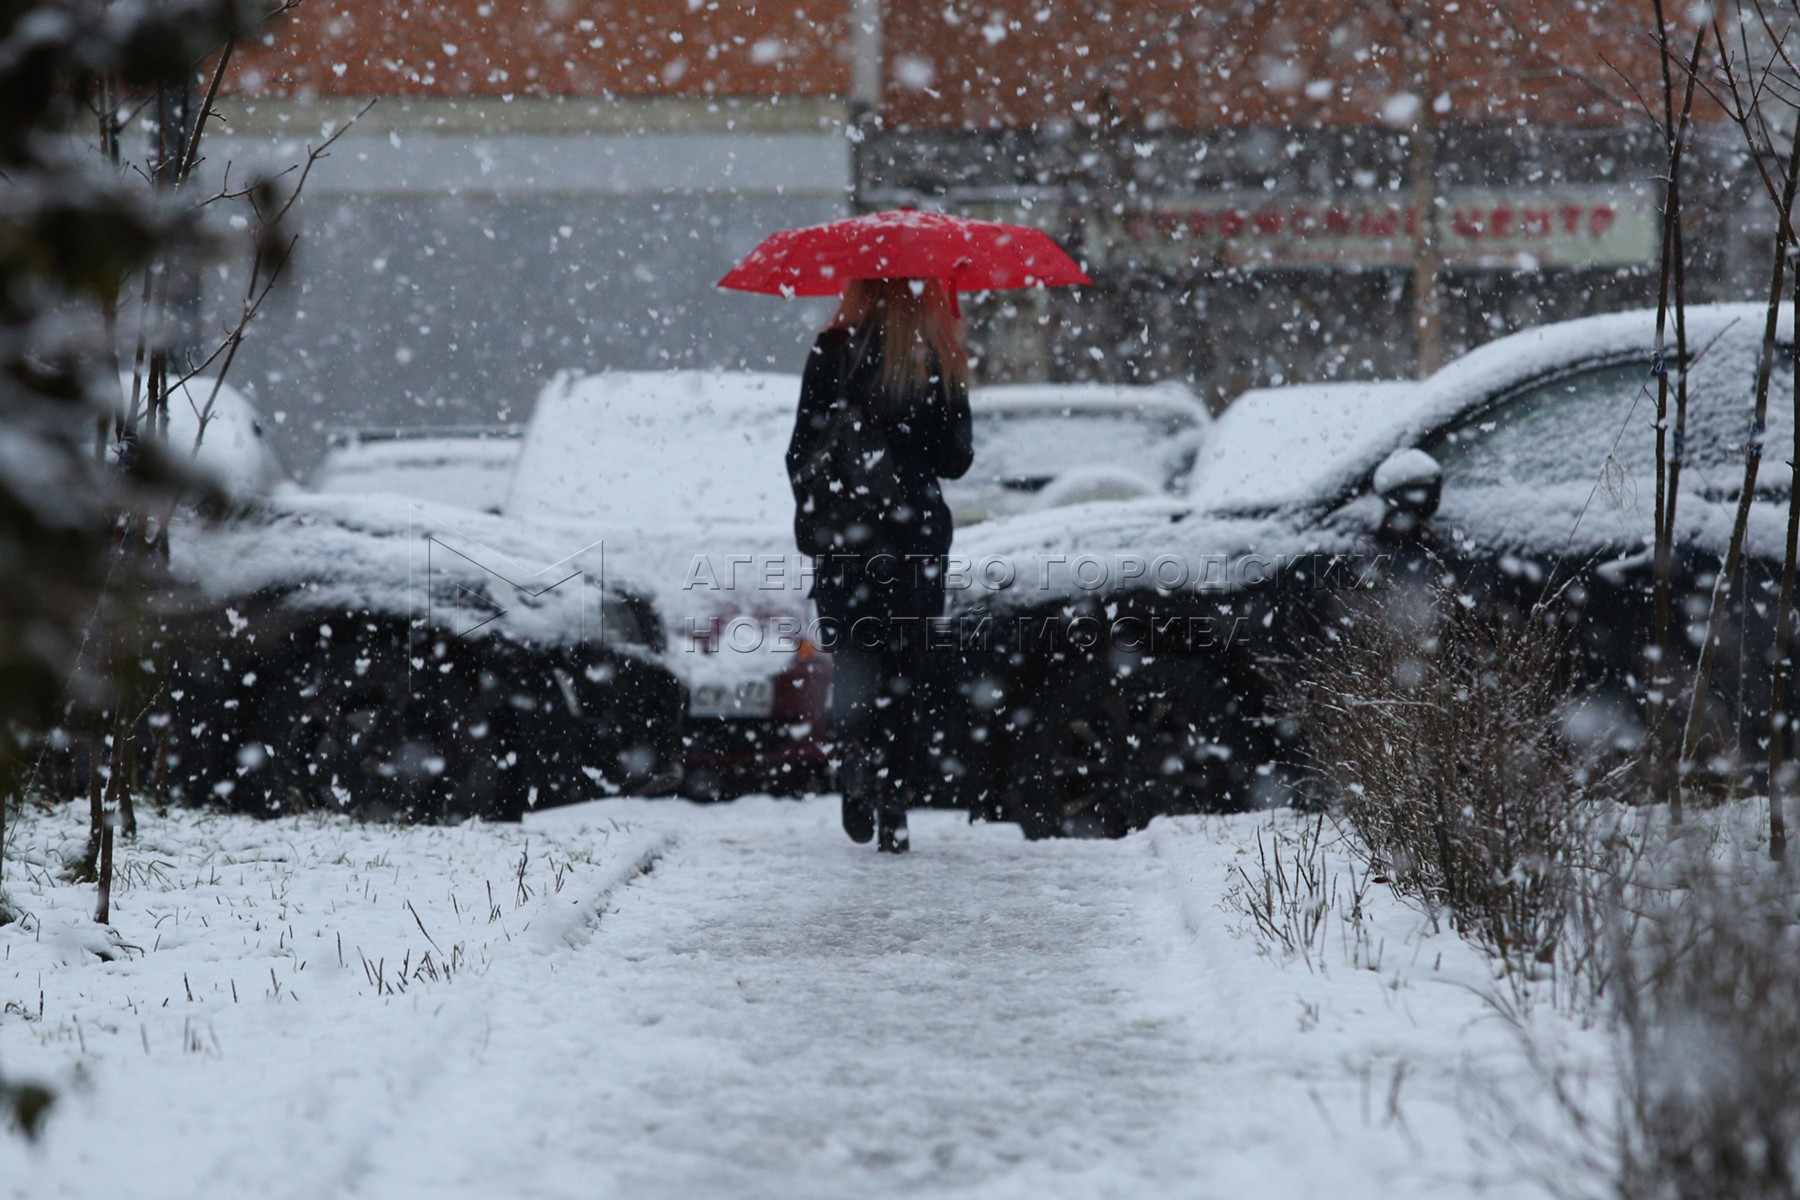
968, 256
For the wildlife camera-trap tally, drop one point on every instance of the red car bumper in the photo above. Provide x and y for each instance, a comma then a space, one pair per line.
785, 753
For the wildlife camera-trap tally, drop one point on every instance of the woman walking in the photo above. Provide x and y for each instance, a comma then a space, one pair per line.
883, 417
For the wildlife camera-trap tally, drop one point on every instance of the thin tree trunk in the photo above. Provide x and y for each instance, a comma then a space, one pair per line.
103, 903
1428, 305
108, 104
90, 858
6, 801
118, 784
1721, 595
1784, 615
1428, 315
159, 772
1671, 295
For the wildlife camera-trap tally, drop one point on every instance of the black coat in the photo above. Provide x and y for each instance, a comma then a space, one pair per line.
912, 442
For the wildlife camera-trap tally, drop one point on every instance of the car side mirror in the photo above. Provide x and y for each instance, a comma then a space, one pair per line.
1412, 483
1182, 452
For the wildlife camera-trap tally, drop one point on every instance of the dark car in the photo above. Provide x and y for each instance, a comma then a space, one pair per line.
1112, 661
388, 656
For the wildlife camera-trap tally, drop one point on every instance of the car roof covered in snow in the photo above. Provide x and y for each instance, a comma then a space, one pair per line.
233, 452
673, 450
1310, 444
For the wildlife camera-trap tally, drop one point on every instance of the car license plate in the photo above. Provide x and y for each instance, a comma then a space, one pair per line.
749, 698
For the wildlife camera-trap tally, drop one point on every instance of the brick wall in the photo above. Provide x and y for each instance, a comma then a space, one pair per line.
1235, 63
628, 48
986, 64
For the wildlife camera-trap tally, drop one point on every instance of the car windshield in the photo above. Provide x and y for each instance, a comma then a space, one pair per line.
1027, 449
1290, 446
469, 471
687, 449
1601, 419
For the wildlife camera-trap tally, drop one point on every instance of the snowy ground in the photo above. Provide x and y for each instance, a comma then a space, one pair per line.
649, 998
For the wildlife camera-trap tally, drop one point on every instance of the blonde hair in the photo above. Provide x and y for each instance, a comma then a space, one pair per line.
919, 331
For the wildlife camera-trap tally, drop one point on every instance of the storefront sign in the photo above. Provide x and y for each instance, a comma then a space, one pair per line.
1526, 228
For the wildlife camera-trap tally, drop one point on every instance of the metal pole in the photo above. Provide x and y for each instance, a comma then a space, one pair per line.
865, 53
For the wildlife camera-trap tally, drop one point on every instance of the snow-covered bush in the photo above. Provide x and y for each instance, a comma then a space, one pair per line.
1706, 989
1438, 731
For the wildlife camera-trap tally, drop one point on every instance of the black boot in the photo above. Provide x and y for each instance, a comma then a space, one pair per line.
859, 811
893, 836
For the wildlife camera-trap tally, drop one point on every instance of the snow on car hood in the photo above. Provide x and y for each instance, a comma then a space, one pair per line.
704, 586
467, 572
1096, 549
395, 554
1280, 446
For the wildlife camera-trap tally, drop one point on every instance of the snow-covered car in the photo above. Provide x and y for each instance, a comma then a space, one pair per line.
1040, 446
384, 655
678, 481
1123, 670
469, 466
218, 431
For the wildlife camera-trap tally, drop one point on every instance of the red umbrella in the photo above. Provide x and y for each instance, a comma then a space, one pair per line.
968, 256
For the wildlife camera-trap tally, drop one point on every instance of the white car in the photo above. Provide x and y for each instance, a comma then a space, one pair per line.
679, 481
1040, 446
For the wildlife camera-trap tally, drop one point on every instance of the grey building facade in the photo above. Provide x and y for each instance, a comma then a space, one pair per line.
455, 254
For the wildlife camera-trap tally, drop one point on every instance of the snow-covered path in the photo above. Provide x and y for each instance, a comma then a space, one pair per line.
768, 1011
775, 1012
